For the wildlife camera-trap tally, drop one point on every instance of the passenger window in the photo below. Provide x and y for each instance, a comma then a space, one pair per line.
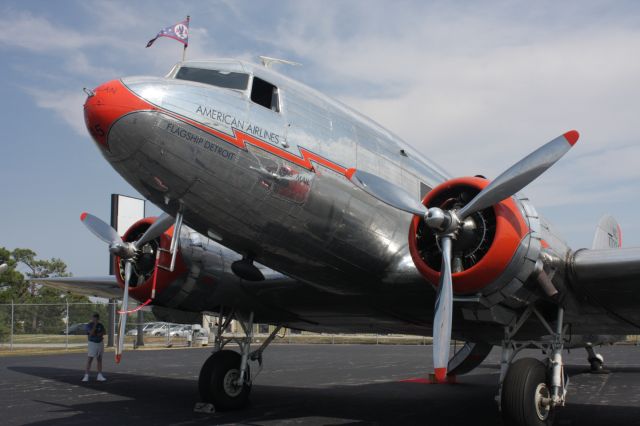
265, 94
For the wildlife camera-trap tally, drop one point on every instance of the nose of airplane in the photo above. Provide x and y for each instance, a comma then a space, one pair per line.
105, 105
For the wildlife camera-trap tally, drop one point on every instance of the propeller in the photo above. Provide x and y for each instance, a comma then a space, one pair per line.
443, 317
127, 251
123, 316
446, 224
521, 174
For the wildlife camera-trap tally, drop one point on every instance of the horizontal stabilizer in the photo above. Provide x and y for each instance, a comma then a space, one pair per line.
106, 286
608, 234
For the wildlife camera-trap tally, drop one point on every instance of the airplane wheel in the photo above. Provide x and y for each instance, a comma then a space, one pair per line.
597, 365
523, 390
217, 381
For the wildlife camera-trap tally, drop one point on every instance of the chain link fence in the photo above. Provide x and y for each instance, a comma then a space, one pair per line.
37, 327
29, 327
46, 325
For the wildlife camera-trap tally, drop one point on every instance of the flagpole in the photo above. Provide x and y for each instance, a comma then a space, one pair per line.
184, 50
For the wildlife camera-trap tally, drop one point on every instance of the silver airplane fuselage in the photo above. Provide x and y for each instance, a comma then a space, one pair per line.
276, 187
263, 171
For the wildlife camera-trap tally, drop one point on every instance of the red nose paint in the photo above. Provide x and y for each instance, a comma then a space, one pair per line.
111, 101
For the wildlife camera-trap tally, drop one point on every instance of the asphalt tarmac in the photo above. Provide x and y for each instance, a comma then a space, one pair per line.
300, 384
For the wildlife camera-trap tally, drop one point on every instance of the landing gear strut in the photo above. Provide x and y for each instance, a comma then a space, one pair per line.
596, 361
530, 390
225, 378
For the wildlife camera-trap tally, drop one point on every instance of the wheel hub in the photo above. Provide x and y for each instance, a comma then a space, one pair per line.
230, 383
542, 402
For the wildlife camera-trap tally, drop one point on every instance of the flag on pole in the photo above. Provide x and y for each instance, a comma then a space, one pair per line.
179, 31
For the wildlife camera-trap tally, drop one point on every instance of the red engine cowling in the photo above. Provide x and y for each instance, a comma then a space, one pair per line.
142, 276
486, 245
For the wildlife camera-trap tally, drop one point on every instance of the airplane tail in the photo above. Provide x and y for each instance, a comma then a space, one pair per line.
608, 234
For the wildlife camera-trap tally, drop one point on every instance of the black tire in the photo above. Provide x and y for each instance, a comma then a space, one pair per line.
218, 370
525, 378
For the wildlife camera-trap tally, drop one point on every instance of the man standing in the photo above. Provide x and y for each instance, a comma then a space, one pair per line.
95, 333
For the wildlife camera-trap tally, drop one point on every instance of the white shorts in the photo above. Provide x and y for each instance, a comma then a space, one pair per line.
95, 349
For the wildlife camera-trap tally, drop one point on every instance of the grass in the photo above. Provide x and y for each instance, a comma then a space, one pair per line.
52, 343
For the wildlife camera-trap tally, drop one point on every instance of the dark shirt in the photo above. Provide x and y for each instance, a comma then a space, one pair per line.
97, 337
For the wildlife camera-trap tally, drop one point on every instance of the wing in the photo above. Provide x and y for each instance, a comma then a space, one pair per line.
106, 286
611, 279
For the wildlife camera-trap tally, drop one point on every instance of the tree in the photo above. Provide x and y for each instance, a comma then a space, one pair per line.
48, 311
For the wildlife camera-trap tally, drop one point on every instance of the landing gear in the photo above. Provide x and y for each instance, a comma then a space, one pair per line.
225, 378
596, 361
526, 398
219, 382
531, 390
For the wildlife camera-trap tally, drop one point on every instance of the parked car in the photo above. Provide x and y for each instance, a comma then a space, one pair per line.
76, 329
160, 329
200, 331
185, 330
179, 331
145, 329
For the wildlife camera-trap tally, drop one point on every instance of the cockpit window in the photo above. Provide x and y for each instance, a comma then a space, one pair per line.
265, 94
226, 79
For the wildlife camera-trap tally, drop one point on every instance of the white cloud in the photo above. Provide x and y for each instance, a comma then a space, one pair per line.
78, 63
67, 105
26, 31
474, 87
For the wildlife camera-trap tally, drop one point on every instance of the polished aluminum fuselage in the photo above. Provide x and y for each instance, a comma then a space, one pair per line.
313, 225
281, 195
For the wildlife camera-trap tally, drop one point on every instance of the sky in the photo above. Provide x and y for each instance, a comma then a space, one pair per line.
474, 86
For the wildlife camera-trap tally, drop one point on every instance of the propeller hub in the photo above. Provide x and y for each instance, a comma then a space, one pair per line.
437, 219
124, 250
443, 222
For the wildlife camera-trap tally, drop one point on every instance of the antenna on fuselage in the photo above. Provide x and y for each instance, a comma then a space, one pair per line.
268, 61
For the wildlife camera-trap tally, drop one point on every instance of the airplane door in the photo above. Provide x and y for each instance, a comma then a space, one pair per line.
266, 120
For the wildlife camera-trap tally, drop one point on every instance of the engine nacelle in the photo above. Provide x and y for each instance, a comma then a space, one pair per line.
142, 276
494, 252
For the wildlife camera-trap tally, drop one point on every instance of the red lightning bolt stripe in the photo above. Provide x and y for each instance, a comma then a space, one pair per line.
110, 102
241, 139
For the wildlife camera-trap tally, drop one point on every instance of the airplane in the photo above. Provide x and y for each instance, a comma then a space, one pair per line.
283, 206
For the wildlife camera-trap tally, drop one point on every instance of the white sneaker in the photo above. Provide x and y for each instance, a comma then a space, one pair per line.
101, 378
85, 378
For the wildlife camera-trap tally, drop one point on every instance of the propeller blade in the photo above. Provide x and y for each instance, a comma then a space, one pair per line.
386, 192
156, 229
100, 229
443, 314
521, 174
123, 314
